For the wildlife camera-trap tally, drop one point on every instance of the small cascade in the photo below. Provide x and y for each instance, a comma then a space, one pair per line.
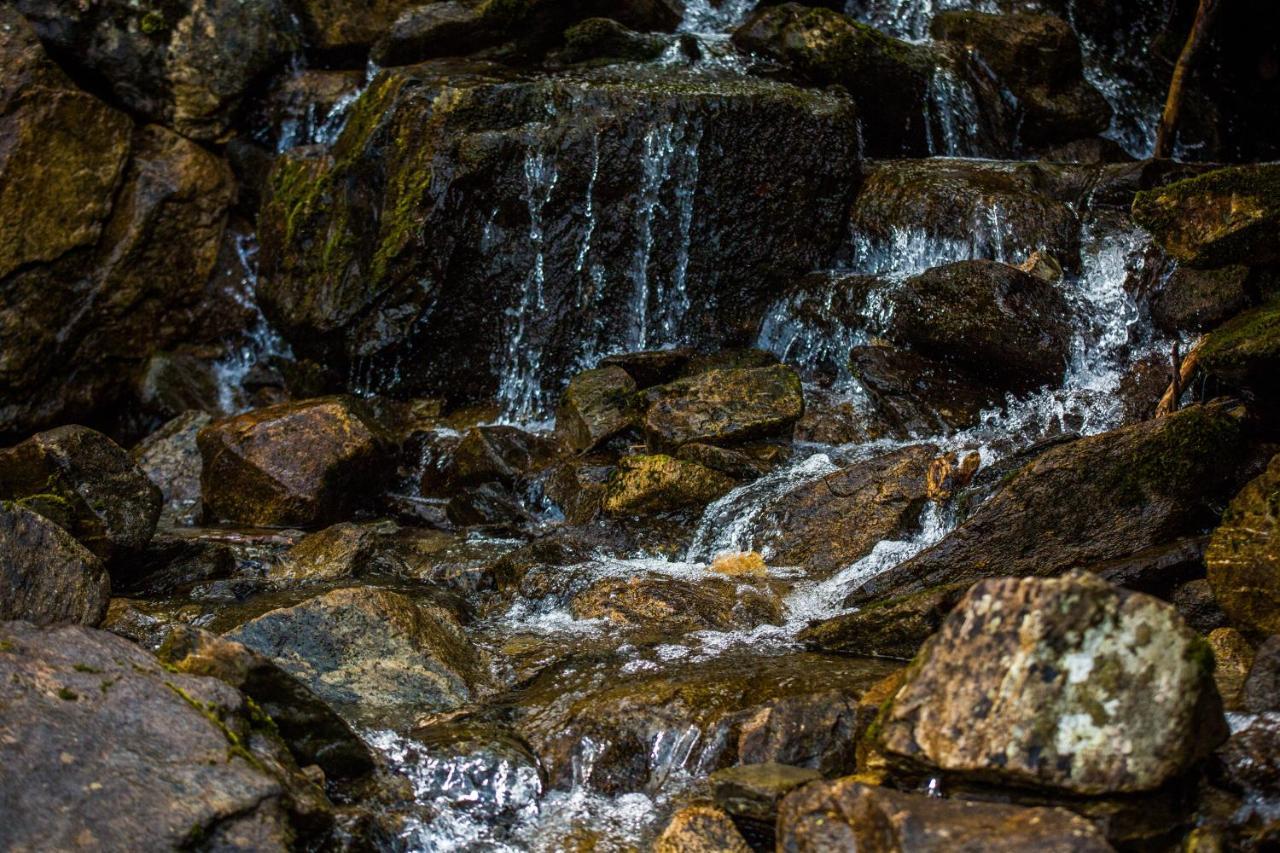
909, 19
951, 116
707, 16
259, 341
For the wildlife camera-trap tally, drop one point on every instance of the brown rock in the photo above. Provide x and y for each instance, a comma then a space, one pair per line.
916, 395
45, 575
1262, 687
1243, 557
893, 628
753, 791
1232, 658
1196, 300
700, 828
171, 459
597, 405
652, 484
724, 406
678, 606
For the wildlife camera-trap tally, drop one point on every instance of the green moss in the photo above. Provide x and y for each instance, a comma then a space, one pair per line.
68, 694
1250, 338
84, 667
1185, 449
7, 646
153, 22
236, 746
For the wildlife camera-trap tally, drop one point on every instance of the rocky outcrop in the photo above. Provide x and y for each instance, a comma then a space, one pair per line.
171, 459
85, 482
394, 290
648, 484
1085, 502
104, 747
301, 463
597, 405
1243, 557
849, 815
1036, 681
724, 406
45, 575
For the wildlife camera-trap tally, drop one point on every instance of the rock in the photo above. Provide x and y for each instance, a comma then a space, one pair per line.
301, 463
1223, 217
827, 524
992, 320
1243, 557
1036, 60
371, 654
185, 66
602, 40
677, 606
1262, 686
919, 395
578, 487
45, 575
339, 552
651, 367
1085, 502
307, 104
738, 464
1250, 760
313, 732
170, 459
652, 484
1197, 300
795, 709
1244, 352
1036, 681
334, 28
724, 406
489, 505
894, 628
177, 560
495, 454
104, 747
949, 473
700, 828
597, 405
1197, 605
447, 143
887, 77
848, 815
84, 481
1232, 657
753, 791
136, 214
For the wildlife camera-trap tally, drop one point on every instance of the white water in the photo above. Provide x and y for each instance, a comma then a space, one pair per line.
259, 342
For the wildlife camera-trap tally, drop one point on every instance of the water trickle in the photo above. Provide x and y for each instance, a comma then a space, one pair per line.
705, 16
951, 115
259, 341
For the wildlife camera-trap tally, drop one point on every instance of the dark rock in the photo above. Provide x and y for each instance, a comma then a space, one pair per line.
341, 30
1087, 502
730, 358
918, 395
340, 552
700, 828
993, 320
85, 482
1196, 300
45, 575
644, 485
578, 487
1243, 557
299, 463
1244, 352
495, 454
1227, 216
171, 459
1143, 386
348, 277
1157, 570
895, 628
371, 654
597, 405
172, 383
724, 406
738, 464
1035, 681
848, 815
1250, 760
1262, 686
753, 791
602, 40
830, 417
184, 65
650, 367
306, 105
115, 751
1195, 601
488, 504
174, 563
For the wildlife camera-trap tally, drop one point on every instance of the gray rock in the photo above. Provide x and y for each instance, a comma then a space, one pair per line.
45, 575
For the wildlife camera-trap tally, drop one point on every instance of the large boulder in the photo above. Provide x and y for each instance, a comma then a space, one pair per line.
1243, 557
1244, 352
1227, 216
920, 396
1088, 501
1197, 300
373, 655
724, 406
995, 321
45, 575
486, 263
104, 747
848, 815
185, 65
301, 463
648, 484
87, 483
109, 236
1068, 684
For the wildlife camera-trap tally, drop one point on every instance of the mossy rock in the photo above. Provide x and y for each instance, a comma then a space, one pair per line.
654, 484
1244, 352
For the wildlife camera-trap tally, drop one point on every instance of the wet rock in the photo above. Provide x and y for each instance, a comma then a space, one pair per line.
578, 487
1036, 60
597, 405
85, 482
301, 463
919, 395
829, 523
370, 653
830, 417
700, 828
1232, 658
339, 552
604, 40
798, 709
1262, 686
175, 563
894, 628
651, 484
1085, 502
1250, 760
887, 77
848, 815
107, 748
753, 791
724, 406
313, 732
170, 459
340, 30
172, 383
1035, 681
501, 454
993, 320
678, 606
651, 367
184, 65
489, 505
1196, 300
1223, 217
1243, 557
1143, 385
45, 575
1244, 352
739, 464
305, 105
448, 144
1197, 605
